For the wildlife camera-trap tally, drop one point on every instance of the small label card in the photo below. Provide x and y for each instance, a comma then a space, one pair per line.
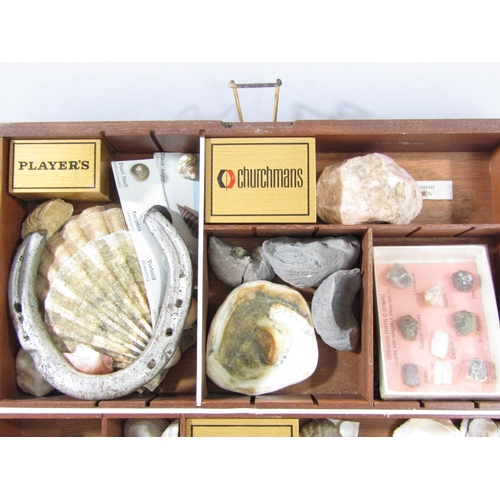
436, 190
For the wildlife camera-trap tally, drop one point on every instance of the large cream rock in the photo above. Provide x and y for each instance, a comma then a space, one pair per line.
367, 189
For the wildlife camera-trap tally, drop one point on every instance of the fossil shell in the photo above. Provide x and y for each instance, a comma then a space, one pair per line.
479, 427
307, 262
427, 427
28, 378
49, 216
86, 360
332, 310
191, 219
261, 339
187, 166
145, 427
320, 427
234, 265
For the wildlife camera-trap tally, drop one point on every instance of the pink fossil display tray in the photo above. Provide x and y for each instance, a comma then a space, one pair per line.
434, 352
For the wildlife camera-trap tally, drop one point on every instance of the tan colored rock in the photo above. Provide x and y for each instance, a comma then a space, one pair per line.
367, 189
50, 216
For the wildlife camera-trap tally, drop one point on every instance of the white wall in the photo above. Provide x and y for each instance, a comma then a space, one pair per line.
184, 91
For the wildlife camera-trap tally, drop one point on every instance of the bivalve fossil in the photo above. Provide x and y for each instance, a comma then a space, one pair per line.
234, 265
332, 310
261, 339
307, 262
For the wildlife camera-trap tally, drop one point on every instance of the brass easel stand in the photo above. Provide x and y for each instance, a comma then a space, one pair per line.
236, 86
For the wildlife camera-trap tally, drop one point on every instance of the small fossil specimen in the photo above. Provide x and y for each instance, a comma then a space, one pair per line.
409, 327
399, 276
332, 310
307, 262
234, 265
187, 166
410, 375
464, 322
320, 427
462, 280
423, 427
49, 216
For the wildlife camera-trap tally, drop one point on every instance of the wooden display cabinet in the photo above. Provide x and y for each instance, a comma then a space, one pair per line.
345, 384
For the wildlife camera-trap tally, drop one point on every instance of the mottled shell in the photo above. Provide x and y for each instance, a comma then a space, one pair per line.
187, 166
261, 340
48, 216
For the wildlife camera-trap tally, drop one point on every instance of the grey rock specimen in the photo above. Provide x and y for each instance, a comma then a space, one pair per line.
367, 189
145, 427
462, 280
477, 370
408, 326
234, 265
410, 375
320, 427
399, 276
307, 262
332, 310
464, 322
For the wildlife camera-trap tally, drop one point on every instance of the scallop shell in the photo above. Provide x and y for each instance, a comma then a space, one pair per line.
261, 339
91, 285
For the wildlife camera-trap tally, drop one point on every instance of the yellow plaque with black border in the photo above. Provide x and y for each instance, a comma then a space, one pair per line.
242, 427
73, 169
260, 180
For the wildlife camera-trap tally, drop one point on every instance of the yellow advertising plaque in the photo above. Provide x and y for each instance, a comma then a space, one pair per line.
242, 427
72, 169
260, 180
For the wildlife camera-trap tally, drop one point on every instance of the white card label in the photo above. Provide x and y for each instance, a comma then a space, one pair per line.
436, 190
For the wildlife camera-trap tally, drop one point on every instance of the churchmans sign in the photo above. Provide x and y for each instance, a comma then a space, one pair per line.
260, 180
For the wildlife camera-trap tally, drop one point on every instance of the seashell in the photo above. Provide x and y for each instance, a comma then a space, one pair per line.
427, 427
234, 265
332, 310
49, 216
145, 427
261, 339
86, 360
187, 166
28, 377
320, 427
191, 218
479, 427
90, 283
172, 430
304, 263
